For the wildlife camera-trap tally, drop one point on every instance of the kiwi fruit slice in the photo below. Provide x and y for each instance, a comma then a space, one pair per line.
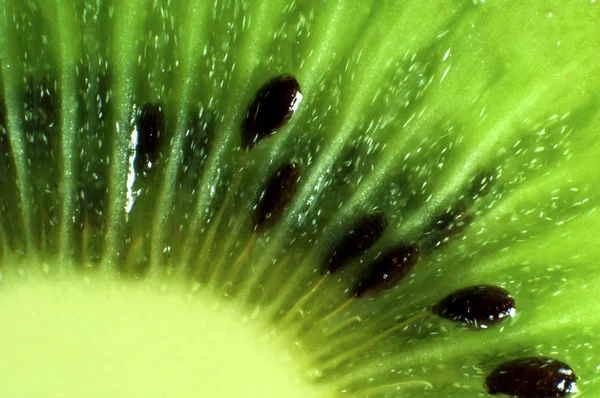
299, 198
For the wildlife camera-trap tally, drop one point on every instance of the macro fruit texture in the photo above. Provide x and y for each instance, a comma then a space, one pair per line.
355, 198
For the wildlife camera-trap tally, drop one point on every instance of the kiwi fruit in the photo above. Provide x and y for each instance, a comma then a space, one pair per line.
310, 198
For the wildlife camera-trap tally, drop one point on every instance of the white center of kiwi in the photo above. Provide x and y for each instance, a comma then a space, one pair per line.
102, 337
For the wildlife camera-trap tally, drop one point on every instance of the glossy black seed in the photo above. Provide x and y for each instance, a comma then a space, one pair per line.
477, 306
387, 271
278, 194
532, 377
271, 108
151, 126
358, 240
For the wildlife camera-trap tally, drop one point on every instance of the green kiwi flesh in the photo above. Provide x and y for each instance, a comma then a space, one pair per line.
155, 242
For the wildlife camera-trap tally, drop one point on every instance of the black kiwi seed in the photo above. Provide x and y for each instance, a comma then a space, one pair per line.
363, 234
477, 306
272, 107
278, 194
387, 271
532, 377
150, 125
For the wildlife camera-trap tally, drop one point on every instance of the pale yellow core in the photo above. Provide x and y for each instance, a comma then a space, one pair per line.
66, 337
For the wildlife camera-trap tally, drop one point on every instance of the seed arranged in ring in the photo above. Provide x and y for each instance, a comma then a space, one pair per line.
151, 127
532, 377
477, 306
272, 108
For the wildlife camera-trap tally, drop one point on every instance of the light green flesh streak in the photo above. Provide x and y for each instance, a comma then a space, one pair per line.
404, 104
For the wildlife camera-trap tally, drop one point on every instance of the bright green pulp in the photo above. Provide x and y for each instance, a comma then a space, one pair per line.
407, 107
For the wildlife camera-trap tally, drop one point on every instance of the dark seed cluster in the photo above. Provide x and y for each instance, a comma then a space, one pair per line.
271, 108
532, 377
477, 306
48, 175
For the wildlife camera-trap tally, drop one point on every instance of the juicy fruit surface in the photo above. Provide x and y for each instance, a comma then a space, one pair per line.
472, 127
